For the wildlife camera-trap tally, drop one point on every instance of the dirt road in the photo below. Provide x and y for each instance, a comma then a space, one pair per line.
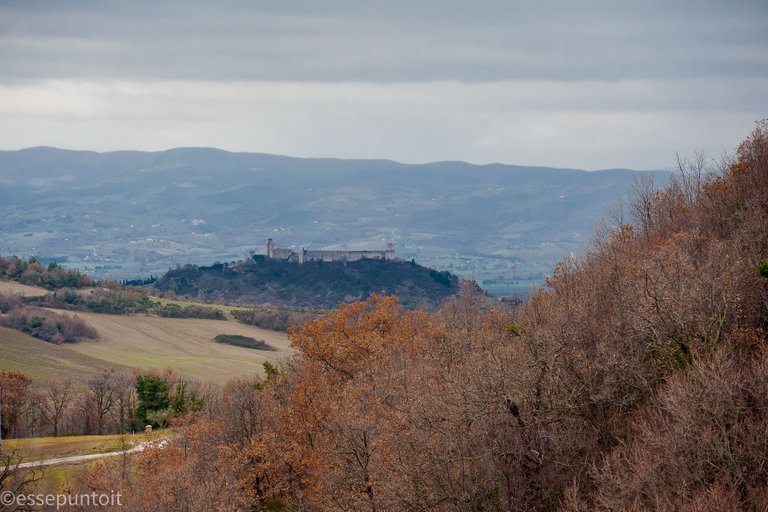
79, 458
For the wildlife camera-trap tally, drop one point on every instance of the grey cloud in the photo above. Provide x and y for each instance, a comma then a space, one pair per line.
382, 41
582, 124
585, 83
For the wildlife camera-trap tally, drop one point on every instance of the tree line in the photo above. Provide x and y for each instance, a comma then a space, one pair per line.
110, 402
28, 314
34, 273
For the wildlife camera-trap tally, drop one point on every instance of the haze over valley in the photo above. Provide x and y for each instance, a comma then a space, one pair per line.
130, 214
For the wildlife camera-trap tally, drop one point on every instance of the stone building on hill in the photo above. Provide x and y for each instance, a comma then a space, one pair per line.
303, 255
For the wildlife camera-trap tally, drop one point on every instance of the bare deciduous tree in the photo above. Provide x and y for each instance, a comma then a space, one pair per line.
104, 396
58, 397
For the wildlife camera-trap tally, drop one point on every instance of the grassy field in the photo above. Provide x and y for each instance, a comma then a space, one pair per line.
59, 478
140, 341
42, 360
44, 448
184, 344
14, 288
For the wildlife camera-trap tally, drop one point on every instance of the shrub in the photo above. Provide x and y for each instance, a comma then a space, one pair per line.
762, 268
276, 319
243, 341
47, 325
177, 311
9, 302
122, 301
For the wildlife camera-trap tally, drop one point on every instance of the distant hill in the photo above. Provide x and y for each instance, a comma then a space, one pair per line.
314, 284
127, 214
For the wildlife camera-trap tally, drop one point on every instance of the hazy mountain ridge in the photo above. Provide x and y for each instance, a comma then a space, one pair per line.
141, 212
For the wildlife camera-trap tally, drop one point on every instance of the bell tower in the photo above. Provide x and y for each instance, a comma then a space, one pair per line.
389, 254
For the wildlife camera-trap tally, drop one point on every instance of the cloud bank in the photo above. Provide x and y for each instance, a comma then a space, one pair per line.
581, 84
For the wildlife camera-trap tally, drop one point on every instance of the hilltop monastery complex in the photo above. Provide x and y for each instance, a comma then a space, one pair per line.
277, 253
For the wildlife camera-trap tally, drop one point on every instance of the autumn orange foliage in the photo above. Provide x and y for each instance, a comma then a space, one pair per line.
636, 380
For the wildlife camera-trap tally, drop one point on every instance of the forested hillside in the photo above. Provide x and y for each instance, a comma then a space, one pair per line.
314, 284
636, 380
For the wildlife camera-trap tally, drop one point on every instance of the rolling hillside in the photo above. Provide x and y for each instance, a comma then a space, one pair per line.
185, 344
125, 342
14, 288
41, 360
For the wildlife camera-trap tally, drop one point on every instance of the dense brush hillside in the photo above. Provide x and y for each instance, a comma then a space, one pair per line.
312, 284
637, 380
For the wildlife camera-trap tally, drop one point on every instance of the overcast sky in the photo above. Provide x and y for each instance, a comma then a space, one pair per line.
587, 84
